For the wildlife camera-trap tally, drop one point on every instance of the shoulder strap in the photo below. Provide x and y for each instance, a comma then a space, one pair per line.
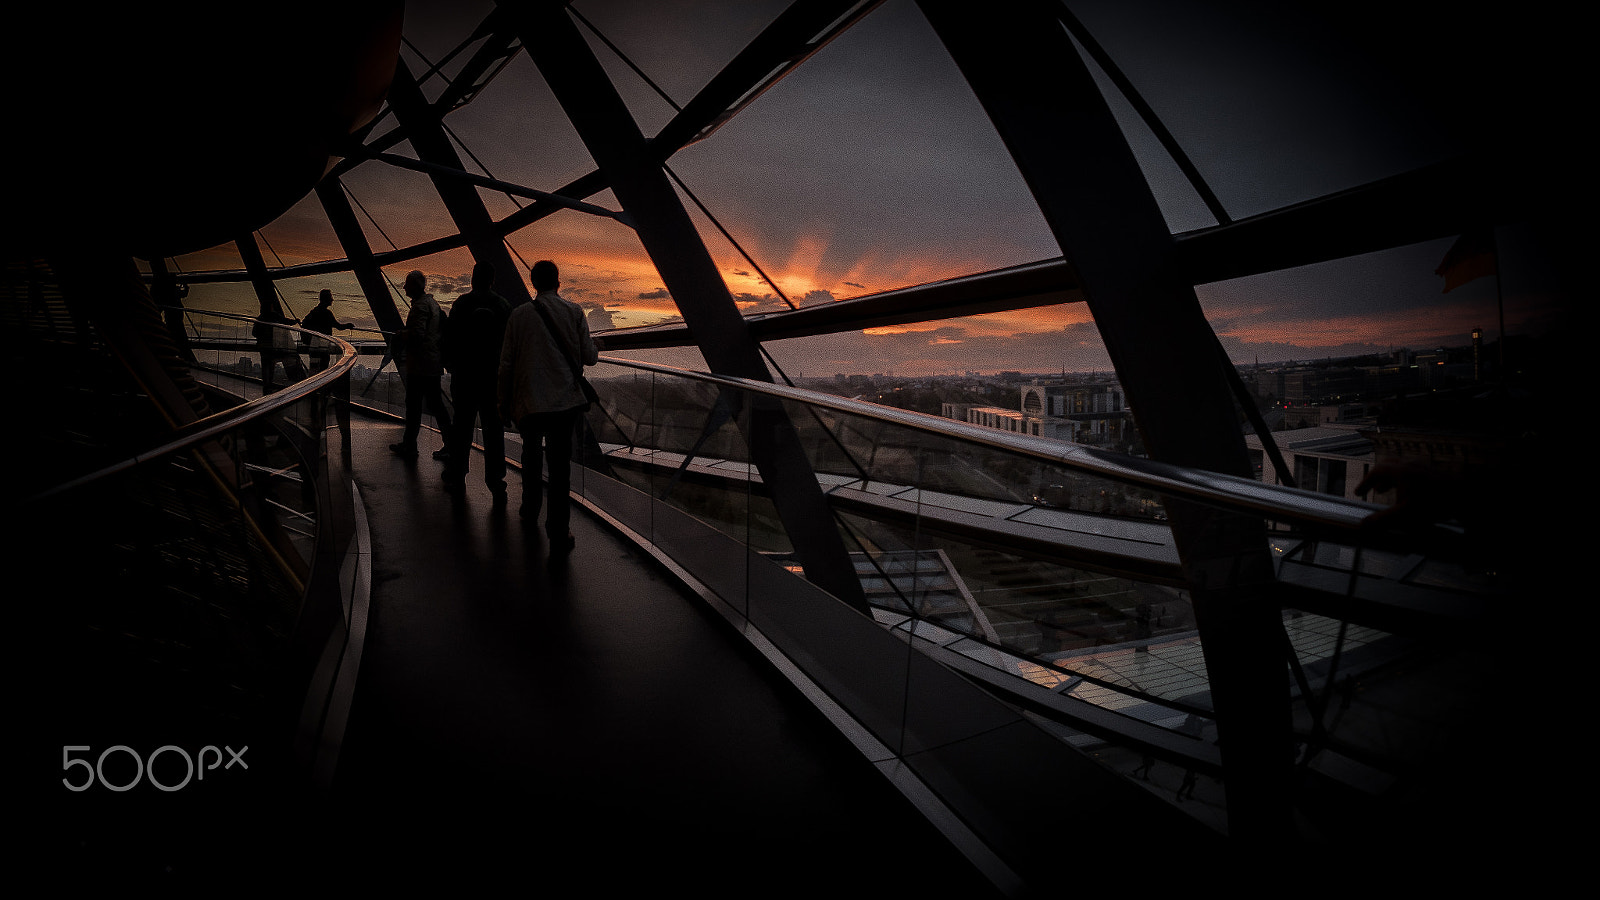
555, 335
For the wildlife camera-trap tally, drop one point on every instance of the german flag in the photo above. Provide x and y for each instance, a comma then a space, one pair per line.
1471, 256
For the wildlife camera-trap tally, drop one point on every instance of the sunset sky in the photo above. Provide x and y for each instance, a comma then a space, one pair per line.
873, 167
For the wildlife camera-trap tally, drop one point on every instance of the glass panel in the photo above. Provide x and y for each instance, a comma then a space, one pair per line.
976, 543
226, 538
1041, 581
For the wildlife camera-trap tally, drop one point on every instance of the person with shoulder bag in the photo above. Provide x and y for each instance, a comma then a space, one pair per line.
542, 390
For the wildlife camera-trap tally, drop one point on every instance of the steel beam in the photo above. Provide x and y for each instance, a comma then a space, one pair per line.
271, 310
461, 199
260, 279
1435, 201
356, 249
1027, 286
797, 33
1047, 109
800, 30
613, 138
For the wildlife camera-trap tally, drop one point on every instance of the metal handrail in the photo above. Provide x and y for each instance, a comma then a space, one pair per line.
1290, 505
242, 317
210, 426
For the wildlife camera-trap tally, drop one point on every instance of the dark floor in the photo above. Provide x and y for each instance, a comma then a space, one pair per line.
587, 722
519, 723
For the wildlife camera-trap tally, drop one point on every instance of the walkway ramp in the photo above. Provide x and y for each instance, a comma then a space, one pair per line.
587, 721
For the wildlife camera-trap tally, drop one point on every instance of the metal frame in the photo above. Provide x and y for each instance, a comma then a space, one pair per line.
1118, 256
461, 200
1045, 105
613, 138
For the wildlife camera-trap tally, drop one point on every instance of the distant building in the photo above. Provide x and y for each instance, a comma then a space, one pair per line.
1080, 412
1358, 412
1330, 459
997, 417
1453, 454
1084, 412
1444, 368
1016, 422
1328, 385
957, 411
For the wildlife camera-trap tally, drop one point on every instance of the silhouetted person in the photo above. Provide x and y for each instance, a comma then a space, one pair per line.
1186, 789
472, 337
420, 363
321, 321
1146, 763
277, 347
545, 342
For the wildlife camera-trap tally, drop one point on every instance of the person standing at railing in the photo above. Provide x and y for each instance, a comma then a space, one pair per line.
277, 348
421, 364
547, 343
321, 321
471, 346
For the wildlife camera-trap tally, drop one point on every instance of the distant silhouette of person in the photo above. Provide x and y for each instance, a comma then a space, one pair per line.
421, 365
277, 346
545, 342
1146, 763
321, 321
1186, 789
472, 337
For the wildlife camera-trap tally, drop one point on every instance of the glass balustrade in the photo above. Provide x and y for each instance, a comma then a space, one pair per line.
1045, 569
235, 528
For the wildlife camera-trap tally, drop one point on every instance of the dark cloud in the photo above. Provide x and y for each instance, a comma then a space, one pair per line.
751, 303
450, 284
600, 319
657, 294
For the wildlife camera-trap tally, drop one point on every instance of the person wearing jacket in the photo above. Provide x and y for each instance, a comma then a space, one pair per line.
472, 337
421, 364
539, 392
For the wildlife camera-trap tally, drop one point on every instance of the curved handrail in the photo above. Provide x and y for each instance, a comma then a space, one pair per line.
1292, 505
241, 317
244, 318
210, 426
